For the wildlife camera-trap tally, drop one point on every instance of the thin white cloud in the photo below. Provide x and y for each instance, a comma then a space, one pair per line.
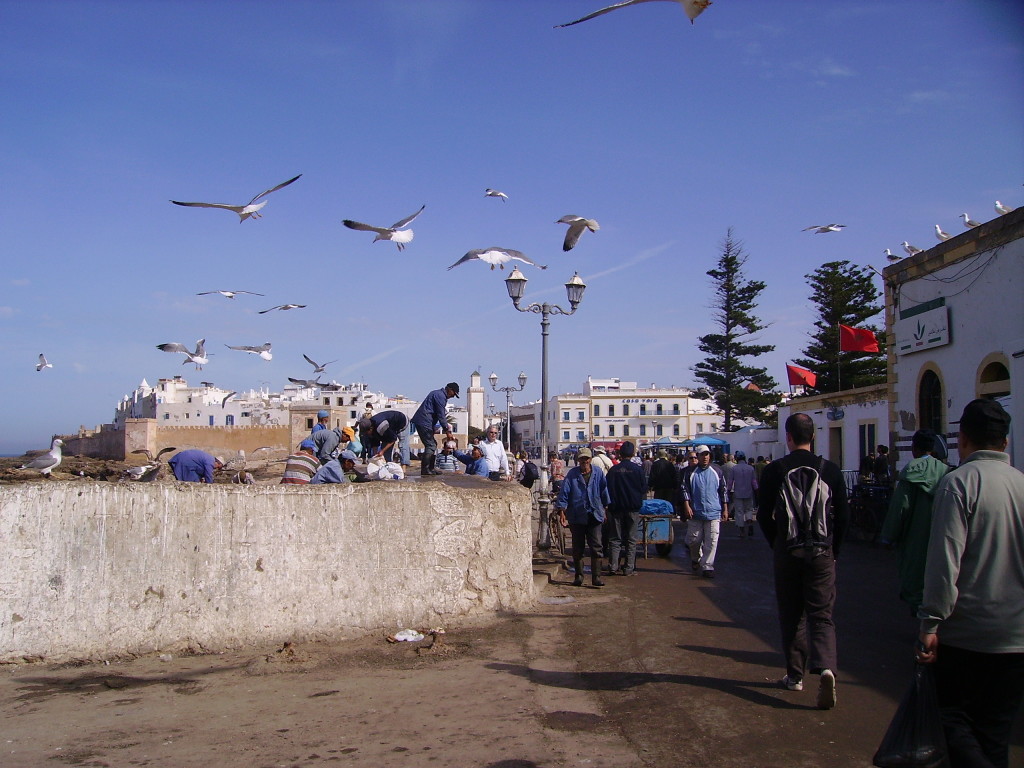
7, 311
370, 360
929, 97
21, 281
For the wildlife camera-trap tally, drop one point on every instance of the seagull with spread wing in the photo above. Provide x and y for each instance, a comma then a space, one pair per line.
43, 362
282, 307
496, 257
577, 224
305, 382
147, 473
228, 294
820, 229
495, 193
263, 350
199, 357
693, 9
252, 208
317, 367
396, 233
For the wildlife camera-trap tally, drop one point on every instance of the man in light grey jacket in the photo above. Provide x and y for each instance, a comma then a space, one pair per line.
972, 615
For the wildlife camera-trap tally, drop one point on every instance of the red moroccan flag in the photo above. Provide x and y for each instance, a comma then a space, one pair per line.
856, 340
801, 376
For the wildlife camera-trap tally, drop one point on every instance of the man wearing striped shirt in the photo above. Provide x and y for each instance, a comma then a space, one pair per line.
301, 465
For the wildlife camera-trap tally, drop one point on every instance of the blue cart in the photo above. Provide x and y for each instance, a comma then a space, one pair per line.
654, 526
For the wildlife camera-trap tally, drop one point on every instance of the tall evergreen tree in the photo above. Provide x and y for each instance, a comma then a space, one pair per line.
843, 293
725, 371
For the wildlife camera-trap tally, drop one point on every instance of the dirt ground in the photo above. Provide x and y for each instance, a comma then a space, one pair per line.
662, 669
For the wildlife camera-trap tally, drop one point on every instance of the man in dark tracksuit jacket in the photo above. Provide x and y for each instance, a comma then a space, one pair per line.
805, 587
627, 487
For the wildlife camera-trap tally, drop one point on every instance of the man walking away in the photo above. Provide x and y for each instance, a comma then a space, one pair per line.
742, 489
664, 479
803, 513
627, 488
972, 614
704, 507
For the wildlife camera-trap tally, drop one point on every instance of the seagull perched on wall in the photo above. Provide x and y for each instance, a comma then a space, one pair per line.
495, 193
317, 367
576, 226
395, 233
48, 461
969, 222
282, 307
820, 229
228, 294
43, 362
891, 256
263, 350
252, 208
910, 249
199, 357
1003, 209
693, 9
942, 236
496, 257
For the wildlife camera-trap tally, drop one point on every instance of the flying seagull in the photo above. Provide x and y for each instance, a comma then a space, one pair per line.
940, 234
199, 357
227, 397
969, 222
305, 382
395, 233
1003, 209
43, 362
693, 9
576, 226
891, 256
282, 307
495, 193
317, 367
228, 294
910, 249
820, 229
252, 208
263, 350
48, 461
496, 257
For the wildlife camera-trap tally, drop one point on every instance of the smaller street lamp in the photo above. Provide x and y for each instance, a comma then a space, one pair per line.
493, 378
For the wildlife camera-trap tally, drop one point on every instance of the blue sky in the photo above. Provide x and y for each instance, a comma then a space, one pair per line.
889, 117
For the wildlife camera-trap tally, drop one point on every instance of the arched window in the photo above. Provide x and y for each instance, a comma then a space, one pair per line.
994, 380
929, 402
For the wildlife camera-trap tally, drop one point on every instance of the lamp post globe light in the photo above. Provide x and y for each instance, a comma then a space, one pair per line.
493, 378
515, 283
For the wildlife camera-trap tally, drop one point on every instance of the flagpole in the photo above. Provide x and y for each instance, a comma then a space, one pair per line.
839, 368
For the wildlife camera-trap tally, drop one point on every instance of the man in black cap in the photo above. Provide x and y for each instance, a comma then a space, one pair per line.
431, 415
974, 592
380, 433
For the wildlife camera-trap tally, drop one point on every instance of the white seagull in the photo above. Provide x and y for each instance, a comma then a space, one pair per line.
693, 9
282, 307
147, 473
317, 367
252, 208
820, 229
910, 249
48, 461
395, 233
228, 294
576, 226
495, 193
263, 350
306, 382
496, 257
891, 256
227, 397
941, 234
199, 357
1003, 209
43, 362
969, 222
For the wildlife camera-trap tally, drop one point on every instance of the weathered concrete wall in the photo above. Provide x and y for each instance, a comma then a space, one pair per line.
97, 570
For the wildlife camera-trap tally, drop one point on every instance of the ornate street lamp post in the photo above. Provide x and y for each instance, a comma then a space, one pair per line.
516, 285
493, 378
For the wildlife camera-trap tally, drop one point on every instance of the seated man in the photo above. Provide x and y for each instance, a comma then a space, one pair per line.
475, 462
339, 470
446, 461
301, 465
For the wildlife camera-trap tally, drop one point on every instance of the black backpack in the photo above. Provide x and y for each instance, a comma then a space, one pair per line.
804, 507
530, 475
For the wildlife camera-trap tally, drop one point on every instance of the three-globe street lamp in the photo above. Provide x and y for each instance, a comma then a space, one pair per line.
493, 378
516, 285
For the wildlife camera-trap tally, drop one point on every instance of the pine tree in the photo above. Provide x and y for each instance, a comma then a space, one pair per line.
843, 293
724, 370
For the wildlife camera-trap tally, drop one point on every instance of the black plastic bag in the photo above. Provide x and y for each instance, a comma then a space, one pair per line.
915, 738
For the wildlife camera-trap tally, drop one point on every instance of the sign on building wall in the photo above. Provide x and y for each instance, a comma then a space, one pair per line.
917, 331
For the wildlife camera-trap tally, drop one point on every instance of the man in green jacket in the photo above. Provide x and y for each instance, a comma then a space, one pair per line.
910, 515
